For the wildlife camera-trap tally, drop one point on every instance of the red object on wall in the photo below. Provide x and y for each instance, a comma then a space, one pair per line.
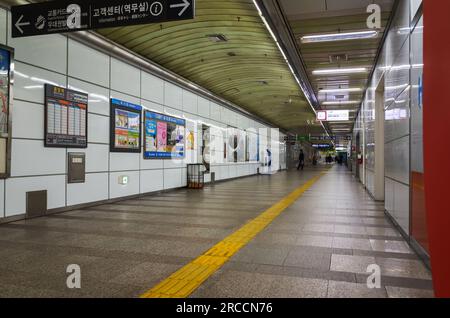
436, 118
418, 214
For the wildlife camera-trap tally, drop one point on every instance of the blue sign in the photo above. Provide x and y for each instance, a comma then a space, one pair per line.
4, 60
164, 136
122, 103
420, 92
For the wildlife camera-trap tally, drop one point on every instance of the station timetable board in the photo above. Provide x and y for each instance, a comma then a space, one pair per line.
66, 114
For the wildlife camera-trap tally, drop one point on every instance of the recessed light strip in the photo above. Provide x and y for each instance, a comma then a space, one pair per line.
305, 92
341, 90
340, 71
358, 35
346, 102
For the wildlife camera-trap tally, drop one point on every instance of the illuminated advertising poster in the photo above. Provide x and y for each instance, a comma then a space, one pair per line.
6, 56
125, 127
164, 136
65, 117
190, 140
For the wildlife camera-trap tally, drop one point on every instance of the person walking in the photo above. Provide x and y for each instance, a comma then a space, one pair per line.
301, 160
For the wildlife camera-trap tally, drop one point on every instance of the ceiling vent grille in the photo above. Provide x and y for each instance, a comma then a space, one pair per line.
217, 38
336, 58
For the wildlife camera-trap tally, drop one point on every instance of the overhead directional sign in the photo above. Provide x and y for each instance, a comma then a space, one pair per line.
333, 115
68, 16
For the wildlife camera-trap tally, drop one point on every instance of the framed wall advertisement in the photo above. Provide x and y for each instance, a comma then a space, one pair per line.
164, 136
6, 85
125, 127
66, 117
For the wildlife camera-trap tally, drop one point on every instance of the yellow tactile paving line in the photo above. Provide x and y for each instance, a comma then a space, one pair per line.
187, 279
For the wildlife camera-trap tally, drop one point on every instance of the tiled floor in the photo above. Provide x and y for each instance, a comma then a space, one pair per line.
319, 247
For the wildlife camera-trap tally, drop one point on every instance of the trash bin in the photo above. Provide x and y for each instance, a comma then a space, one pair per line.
195, 176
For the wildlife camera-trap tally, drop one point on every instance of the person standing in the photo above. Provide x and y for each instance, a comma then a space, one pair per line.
301, 160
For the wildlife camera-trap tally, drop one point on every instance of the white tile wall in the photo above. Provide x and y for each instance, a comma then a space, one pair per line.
94, 189
98, 129
215, 111
203, 107
16, 189
152, 88
124, 161
189, 102
172, 178
98, 96
29, 82
152, 180
3, 27
79, 67
118, 190
173, 96
30, 158
2, 198
125, 78
88, 64
152, 106
28, 121
47, 51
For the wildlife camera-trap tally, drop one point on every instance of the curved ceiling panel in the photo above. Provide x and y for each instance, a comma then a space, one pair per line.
246, 69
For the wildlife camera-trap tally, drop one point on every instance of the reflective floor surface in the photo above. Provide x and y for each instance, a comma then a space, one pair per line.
321, 246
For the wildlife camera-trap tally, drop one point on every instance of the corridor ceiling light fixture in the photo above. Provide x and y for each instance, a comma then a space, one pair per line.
341, 90
358, 35
340, 71
345, 102
304, 90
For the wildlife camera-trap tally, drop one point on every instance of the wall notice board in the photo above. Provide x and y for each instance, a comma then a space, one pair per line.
164, 136
125, 127
66, 115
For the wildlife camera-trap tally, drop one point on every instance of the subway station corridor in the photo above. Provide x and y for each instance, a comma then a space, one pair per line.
320, 246
224, 156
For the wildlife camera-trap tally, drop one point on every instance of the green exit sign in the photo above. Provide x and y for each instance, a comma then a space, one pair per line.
303, 138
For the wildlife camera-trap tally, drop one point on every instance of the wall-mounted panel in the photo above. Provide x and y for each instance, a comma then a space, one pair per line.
97, 157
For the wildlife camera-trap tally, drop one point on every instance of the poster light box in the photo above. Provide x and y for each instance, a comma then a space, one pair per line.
164, 136
125, 126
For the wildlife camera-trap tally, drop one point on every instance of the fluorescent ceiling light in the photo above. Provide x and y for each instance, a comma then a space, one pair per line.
339, 36
340, 71
344, 102
340, 90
